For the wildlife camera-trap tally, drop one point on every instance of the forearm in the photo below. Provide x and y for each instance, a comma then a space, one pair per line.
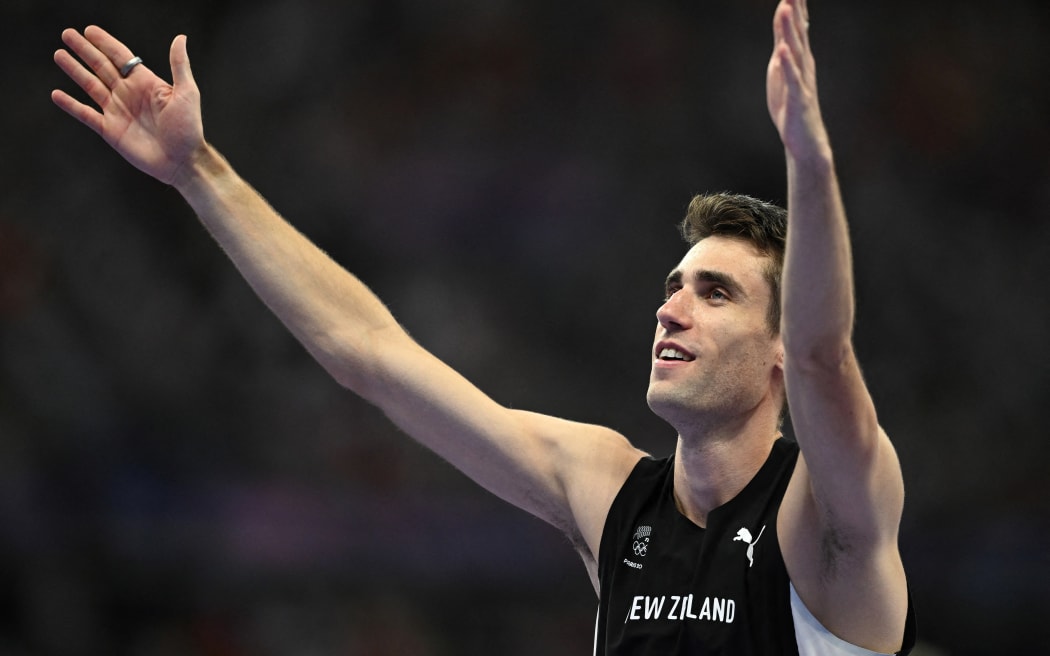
818, 303
330, 311
832, 411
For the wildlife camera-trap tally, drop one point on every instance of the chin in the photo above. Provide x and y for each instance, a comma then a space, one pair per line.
667, 405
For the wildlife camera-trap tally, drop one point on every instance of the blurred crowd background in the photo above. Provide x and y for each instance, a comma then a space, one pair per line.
178, 477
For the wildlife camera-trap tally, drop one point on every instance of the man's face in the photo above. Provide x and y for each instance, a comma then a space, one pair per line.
714, 359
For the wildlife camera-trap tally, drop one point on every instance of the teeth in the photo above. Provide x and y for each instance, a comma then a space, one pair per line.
672, 354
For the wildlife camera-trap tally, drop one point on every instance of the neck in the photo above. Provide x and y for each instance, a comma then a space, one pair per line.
709, 472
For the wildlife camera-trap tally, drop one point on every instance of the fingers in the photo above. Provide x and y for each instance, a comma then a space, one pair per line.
787, 26
78, 110
802, 22
789, 67
101, 52
93, 82
95, 69
181, 74
116, 53
103, 69
790, 30
85, 79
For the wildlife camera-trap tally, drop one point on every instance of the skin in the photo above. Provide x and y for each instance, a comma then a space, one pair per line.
839, 518
715, 313
724, 398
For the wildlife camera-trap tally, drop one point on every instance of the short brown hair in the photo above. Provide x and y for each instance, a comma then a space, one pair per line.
757, 222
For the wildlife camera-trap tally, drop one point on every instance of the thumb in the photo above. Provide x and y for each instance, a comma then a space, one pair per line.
180, 63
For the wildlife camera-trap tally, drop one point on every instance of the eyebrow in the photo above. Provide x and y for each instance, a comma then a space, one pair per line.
711, 276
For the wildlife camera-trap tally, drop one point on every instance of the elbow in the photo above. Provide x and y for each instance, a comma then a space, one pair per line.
339, 365
343, 357
368, 362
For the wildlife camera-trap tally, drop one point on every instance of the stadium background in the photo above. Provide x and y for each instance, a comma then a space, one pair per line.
178, 477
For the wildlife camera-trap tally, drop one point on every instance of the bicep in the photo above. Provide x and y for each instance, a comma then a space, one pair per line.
591, 464
852, 470
840, 516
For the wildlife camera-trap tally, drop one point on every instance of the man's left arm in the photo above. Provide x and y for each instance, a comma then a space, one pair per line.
840, 517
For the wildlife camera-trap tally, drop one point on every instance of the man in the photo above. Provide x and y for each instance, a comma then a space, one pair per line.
737, 544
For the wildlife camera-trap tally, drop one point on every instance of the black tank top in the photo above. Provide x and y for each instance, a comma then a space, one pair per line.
668, 586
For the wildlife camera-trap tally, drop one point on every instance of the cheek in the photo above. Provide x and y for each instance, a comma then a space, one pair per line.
753, 351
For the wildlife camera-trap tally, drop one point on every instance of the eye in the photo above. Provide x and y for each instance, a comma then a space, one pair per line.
670, 290
718, 294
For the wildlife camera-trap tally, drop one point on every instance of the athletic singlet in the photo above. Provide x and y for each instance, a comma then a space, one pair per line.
668, 586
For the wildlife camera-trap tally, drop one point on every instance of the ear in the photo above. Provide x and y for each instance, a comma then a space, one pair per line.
779, 351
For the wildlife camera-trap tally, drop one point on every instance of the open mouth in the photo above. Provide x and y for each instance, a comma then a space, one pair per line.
670, 354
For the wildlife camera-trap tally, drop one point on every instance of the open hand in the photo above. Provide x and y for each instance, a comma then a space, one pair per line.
154, 125
791, 83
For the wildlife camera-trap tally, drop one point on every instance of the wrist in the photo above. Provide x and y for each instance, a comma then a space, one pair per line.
817, 161
205, 163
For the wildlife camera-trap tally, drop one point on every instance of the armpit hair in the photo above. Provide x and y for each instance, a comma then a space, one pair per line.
835, 547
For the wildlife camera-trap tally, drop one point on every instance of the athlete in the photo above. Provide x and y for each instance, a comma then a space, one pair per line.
739, 542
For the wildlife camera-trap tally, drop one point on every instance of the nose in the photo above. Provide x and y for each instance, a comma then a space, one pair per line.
674, 313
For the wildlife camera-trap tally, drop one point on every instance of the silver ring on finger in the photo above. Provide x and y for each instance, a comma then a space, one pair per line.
126, 69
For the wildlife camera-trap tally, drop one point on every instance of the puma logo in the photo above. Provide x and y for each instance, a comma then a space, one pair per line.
744, 535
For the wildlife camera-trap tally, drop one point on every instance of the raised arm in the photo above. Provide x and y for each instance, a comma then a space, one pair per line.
841, 515
563, 472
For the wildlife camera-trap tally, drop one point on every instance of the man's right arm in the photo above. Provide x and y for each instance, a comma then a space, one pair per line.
560, 471
563, 472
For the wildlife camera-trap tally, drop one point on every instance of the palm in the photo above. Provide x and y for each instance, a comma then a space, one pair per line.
154, 128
